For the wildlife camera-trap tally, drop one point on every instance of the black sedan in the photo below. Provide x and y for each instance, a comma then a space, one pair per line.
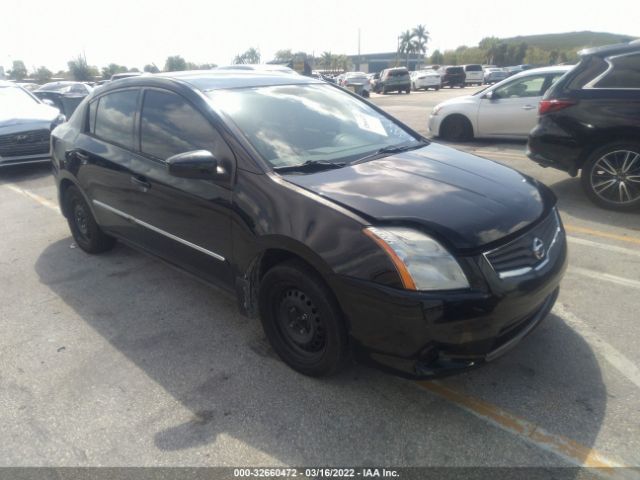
340, 227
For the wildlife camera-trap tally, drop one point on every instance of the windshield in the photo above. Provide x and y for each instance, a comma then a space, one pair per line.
293, 124
14, 97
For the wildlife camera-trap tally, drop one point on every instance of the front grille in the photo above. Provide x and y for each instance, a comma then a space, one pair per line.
19, 144
518, 256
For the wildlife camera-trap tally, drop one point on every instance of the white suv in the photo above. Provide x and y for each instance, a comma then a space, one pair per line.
474, 73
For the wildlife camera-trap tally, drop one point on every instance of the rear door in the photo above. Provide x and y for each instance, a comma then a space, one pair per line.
103, 158
185, 220
513, 109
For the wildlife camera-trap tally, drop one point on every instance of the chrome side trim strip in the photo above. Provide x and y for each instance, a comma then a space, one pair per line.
157, 230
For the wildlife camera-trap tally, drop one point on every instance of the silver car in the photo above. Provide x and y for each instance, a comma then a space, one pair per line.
508, 109
25, 125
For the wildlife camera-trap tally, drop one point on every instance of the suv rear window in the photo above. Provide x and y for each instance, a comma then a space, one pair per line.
473, 68
624, 73
455, 70
399, 72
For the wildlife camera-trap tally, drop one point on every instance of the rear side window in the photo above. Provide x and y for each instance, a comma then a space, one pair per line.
170, 126
115, 117
624, 73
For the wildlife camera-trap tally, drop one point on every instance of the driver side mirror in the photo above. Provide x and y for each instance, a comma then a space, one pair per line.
492, 95
196, 164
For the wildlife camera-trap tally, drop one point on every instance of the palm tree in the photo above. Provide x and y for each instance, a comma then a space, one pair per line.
406, 44
326, 60
421, 37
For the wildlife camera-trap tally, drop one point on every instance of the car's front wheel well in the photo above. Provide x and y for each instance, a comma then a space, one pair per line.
64, 185
456, 127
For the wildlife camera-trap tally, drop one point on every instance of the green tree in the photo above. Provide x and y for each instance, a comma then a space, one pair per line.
112, 69
283, 56
436, 58
175, 63
18, 70
420, 39
42, 75
250, 56
326, 60
80, 70
151, 68
406, 46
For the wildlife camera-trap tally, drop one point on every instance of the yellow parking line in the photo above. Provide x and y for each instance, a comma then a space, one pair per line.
598, 233
566, 448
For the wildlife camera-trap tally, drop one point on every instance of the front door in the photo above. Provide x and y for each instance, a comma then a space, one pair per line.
186, 220
513, 108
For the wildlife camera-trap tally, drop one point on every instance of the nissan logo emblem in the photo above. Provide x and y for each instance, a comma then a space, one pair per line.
538, 248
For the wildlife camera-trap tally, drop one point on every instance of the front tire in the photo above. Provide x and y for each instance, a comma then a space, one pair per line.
611, 176
456, 128
84, 228
302, 320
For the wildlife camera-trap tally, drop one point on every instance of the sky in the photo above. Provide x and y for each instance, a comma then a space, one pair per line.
137, 32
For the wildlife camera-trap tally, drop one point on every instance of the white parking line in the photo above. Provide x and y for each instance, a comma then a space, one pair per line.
615, 358
33, 196
627, 282
603, 246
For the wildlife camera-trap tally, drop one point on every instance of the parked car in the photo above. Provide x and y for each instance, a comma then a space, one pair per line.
25, 126
425, 79
518, 69
473, 74
339, 226
590, 123
66, 96
358, 82
394, 80
259, 67
452, 76
493, 75
508, 109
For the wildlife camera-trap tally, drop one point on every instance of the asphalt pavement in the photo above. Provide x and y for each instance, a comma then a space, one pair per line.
120, 360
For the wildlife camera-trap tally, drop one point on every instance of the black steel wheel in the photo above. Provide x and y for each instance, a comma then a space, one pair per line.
86, 232
302, 320
456, 128
611, 176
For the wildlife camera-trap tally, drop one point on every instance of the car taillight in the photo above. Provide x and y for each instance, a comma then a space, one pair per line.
550, 106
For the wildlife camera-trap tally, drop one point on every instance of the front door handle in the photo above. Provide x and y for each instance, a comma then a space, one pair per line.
140, 182
528, 107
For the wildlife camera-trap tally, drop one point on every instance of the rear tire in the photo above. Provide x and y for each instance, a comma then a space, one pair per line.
456, 128
84, 228
611, 176
302, 320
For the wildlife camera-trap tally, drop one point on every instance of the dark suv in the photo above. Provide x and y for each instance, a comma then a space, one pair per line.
590, 121
453, 76
394, 79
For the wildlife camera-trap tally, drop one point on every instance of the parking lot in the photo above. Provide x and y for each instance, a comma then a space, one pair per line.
120, 360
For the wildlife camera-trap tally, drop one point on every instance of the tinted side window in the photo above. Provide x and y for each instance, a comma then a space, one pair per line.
171, 126
93, 106
115, 115
624, 74
523, 87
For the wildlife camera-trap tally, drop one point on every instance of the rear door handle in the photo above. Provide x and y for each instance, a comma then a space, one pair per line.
140, 182
528, 107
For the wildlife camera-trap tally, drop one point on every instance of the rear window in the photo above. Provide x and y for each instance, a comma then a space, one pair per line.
114, 118
588, 69
398, 73
473, 68
624, 73
455, 70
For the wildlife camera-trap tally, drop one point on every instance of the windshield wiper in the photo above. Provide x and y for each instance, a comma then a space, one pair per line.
310, 165
389, 149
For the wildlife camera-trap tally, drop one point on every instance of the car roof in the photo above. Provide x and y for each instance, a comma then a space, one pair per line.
606, 50
551, 69
206, 80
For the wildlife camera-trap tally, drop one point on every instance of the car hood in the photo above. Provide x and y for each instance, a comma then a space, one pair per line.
468, 201
458, 101
39, 112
